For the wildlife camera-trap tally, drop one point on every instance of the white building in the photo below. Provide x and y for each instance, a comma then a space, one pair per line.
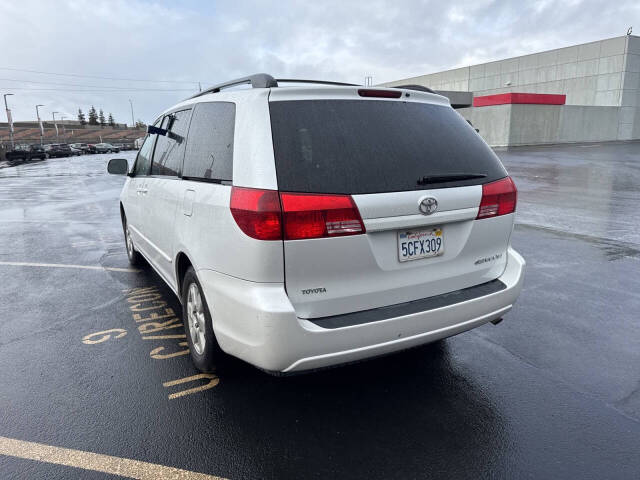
601, 81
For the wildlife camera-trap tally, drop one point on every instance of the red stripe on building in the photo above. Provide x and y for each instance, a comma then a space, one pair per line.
509, 98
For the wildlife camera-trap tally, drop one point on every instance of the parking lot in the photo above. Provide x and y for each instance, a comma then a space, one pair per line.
96, 378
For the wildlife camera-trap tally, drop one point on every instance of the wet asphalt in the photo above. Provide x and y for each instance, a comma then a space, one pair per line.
551, 392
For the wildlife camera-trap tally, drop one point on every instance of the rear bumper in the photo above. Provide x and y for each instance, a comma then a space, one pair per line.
257, 323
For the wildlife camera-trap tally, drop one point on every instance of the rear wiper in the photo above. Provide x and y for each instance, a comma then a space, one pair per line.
452, 177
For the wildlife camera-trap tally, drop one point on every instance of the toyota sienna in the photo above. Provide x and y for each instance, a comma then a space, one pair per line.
321, 223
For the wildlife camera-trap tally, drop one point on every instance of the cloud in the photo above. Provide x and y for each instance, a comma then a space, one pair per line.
207, 42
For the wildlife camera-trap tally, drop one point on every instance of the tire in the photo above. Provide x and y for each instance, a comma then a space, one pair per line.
206, 354
134, 257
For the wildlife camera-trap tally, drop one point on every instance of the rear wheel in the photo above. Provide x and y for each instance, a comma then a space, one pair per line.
134, 257
205, 351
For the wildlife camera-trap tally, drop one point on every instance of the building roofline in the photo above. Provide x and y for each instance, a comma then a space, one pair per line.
414, 77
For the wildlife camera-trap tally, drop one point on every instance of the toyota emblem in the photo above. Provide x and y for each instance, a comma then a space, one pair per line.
428, 205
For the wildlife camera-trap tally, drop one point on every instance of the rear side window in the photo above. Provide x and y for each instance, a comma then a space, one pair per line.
370, 146
209, 154
167, 158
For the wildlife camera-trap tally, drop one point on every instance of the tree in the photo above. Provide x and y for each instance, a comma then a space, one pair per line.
101, 119
140, 124
81, 118
111, 121
93, 116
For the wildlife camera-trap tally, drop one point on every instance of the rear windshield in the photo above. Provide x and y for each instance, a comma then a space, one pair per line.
370, 146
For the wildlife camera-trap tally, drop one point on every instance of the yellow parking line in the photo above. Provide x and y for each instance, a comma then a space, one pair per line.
63, 265
94, 461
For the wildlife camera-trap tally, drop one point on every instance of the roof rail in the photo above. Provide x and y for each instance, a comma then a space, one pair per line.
320, 82
258, 80
263, 80
419, 88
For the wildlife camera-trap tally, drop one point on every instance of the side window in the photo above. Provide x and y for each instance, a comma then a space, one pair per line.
143, 160
209, 153
167, 158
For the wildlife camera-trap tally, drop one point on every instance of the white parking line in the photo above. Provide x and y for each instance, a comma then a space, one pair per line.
63, 265
95, 461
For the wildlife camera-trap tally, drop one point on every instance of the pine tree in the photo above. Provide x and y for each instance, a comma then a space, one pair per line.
81, 118
101, 119
93, 116
111, 121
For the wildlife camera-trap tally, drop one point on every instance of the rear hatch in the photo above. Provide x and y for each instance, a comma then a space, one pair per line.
414, 171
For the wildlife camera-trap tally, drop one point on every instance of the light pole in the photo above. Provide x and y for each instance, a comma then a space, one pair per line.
9, 119
64, 130
55, 125
40, 123
133, 123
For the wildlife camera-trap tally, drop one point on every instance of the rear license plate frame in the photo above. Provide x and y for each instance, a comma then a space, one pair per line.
420, 240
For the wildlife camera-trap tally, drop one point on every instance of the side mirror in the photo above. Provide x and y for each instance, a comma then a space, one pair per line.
118, 166
151, 130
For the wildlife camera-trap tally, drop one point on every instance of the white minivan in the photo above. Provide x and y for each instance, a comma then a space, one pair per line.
319, 224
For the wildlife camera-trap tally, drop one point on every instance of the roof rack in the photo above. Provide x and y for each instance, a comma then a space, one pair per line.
419, 88
264, 80
259, 80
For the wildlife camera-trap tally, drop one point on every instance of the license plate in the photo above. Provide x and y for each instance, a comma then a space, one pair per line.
422, 243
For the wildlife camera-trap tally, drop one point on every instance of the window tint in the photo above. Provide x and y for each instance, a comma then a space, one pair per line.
209, 152
143, 160
345, 146
167, 158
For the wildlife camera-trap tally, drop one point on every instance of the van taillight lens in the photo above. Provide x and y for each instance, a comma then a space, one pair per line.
498, 198
308, 215
265, 215
257, 212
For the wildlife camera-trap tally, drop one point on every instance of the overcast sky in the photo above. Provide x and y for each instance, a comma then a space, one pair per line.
209, 42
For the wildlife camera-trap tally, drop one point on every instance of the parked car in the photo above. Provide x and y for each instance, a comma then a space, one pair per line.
106, 148
137, 143
26, 152
75, 151
81, 146
298, 236
56, 150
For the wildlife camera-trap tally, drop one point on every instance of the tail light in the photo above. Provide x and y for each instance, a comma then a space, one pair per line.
257, 212
265, 215
316, 216
498, 198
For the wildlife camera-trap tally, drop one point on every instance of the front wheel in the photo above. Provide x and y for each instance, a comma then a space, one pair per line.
205, 351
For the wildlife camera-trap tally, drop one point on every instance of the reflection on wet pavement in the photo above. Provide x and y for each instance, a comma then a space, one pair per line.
591, 190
